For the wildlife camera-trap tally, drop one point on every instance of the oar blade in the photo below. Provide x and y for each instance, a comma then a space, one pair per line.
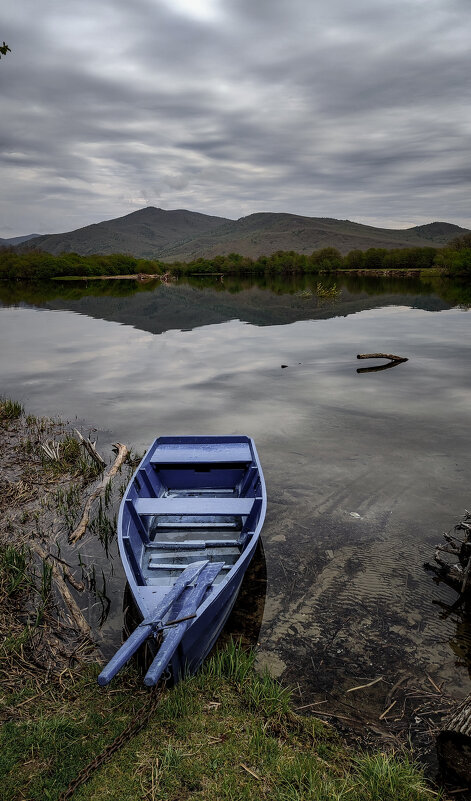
123, 654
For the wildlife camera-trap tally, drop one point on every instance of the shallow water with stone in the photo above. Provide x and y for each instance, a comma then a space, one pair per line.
364, 471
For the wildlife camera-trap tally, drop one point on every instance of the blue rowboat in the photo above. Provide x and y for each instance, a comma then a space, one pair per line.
188, 527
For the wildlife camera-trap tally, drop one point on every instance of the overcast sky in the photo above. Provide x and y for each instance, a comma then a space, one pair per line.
356, 109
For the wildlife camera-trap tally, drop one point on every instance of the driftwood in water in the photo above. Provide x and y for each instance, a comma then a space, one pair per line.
454, 742
82, 526
393, 361
458, 573
90, 447
389, 356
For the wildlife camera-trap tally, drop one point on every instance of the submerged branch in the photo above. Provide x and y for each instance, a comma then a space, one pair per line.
75, 612
457, 574
82, 526
90, 447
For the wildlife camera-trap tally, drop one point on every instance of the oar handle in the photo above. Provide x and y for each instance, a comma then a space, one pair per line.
165, 653
124, 653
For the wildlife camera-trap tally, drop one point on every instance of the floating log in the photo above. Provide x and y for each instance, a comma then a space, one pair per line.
454, 742
393, 361
389, 356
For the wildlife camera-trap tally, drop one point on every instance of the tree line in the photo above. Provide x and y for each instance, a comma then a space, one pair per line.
454, 259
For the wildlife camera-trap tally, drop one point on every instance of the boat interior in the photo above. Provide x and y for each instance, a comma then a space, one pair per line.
187, 503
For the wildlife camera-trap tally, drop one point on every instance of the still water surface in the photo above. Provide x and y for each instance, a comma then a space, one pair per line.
364, 470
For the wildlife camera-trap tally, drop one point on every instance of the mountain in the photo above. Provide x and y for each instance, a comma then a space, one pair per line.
264, 233
184, 235
144, 233
437, 231
17, 240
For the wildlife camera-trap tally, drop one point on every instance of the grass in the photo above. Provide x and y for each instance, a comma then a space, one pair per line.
70, 459
324, 291
15, 571
9, 409
20, 579
226, 733
68, 502
24, 597
58, 456
103, 526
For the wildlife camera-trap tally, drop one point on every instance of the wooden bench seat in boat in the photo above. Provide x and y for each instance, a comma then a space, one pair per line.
193, 506
230, 453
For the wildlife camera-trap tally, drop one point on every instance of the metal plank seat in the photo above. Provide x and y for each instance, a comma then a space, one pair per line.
191, 545
204, 453
194, 506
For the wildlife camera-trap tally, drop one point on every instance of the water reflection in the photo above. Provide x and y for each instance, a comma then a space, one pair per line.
197, 301
393, 361
460, 614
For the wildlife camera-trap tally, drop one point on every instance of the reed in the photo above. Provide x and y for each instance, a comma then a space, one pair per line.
10, 409
15, 570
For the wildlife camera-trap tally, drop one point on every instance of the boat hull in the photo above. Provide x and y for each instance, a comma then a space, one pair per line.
203, 634
186, 501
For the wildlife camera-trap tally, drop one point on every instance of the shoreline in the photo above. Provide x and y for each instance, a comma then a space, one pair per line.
223, 699
141, 277
364, 273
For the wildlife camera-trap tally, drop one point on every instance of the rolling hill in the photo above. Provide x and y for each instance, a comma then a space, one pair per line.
17, 240
144, 233
183, 235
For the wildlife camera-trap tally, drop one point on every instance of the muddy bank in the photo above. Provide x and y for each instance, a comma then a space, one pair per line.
56, 590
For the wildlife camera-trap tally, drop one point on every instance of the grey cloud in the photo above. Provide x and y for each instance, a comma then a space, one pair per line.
330, 108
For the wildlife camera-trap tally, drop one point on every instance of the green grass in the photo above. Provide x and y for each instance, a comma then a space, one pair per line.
69, 503
72, 460
25, 590
63, 454
9, 409
15, 571
103, 526
226, 733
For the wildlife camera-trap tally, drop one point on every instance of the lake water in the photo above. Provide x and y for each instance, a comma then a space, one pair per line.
364, 471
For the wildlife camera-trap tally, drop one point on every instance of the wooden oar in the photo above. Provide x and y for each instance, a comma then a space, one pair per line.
149, 624
175, 635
